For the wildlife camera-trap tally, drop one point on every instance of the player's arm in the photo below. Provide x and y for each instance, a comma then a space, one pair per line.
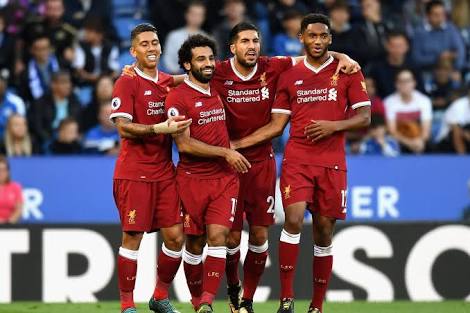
345, 65
319, 129
187, 144
414, 144
273, 129
130, 130
458, 139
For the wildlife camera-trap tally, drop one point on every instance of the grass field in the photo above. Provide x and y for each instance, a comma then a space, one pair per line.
268, 307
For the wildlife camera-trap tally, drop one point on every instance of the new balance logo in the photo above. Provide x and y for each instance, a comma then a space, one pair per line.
198, 104
228, 83
148, 92
298, 82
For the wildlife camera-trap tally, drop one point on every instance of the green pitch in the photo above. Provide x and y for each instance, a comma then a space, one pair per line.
268, 307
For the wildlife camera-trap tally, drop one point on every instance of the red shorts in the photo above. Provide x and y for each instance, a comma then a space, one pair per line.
324, 189
147, 206
257, 193
207, 201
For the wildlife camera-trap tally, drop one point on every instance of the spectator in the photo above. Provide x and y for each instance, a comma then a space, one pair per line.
37, 77
409, 114
17, 141
103, 138
377, 141
345, 38
77, 12
280, 8
61, 34
9, 104
103, 93
396, 59
377, 106
234, 12
194, 16
455, 134
52, 108
11, 198
373, 30
68, 138
7, 48
95, 55
287, 43
437, 39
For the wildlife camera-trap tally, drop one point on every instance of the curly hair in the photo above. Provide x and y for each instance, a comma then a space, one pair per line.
185, 52
314, 18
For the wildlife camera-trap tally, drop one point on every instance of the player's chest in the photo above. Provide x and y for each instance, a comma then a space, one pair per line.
318, 91
205, 111
150, 102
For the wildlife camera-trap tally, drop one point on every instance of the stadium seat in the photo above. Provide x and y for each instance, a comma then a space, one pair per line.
84, 95
124, 26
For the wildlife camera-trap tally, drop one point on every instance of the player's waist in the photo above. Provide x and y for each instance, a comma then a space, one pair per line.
258, 153
215, 168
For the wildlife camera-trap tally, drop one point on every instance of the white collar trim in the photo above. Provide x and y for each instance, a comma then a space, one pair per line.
145, 76
239, 75
197, 87
316, 70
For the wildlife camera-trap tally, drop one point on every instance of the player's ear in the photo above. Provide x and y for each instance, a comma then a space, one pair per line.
232, 48
187, 66
132, 51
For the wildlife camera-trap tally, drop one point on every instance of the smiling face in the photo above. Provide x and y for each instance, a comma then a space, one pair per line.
202, 64
146, 49
246, 48
316, 38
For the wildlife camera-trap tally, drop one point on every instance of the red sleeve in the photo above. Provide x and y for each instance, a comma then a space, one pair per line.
281, 64
174, 105
18, 193
357, 92
281, 101
123, 100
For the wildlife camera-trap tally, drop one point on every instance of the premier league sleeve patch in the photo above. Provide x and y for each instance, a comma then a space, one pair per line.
172, 112
115, 103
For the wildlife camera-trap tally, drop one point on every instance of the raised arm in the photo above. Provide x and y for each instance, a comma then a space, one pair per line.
187, 144
273, 129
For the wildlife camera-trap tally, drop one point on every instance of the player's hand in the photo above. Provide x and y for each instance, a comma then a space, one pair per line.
237, 161
317, 130
128, 70
347, 65
173, 125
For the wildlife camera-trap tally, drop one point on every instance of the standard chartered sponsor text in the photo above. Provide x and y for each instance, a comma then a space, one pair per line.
155, 108
211, 116
312, 95
240, 96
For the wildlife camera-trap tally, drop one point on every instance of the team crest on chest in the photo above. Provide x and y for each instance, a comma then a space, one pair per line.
334, 80
262, 79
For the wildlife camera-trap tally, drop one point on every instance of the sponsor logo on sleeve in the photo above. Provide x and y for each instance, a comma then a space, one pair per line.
115, 103
172, 112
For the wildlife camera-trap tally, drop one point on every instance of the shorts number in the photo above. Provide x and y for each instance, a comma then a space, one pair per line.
234, 209
270, 200
344, 194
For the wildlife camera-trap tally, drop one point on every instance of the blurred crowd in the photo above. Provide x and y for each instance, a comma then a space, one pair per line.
59, 59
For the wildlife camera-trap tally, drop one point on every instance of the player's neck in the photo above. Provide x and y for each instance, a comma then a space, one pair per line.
196, 82
317, 62
152, 72
244, 70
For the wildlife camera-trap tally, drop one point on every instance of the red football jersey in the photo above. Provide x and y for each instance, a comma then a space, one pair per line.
141, 99
308, 93
248, 99
206, 110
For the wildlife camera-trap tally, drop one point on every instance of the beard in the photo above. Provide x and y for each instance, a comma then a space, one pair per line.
200, 76
244, 63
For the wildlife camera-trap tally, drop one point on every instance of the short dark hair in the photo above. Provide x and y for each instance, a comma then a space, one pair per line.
340, 5
376, 120
185, 52
240, 27
314, 18
60, 74
397, 33
291, 14
94, 23
404, 69
194, 3
142, 28
431, 4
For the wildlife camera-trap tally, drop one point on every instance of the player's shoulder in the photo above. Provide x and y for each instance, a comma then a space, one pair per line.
291, 73
164, 77
178, 92
126, 80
